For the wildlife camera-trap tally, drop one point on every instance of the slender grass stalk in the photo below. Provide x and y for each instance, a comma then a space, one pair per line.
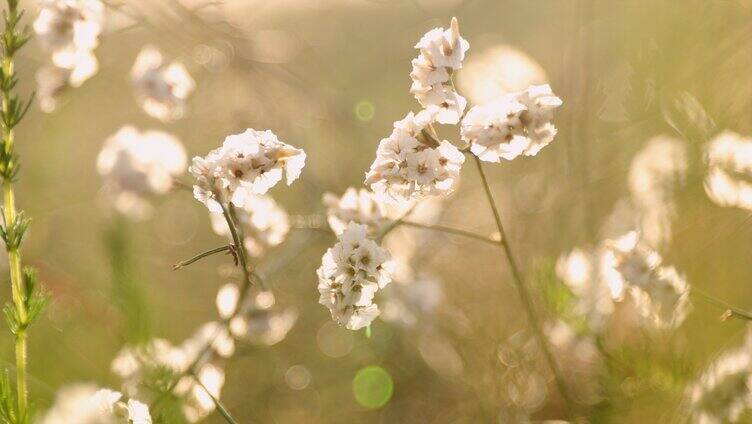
731, 311
527, 301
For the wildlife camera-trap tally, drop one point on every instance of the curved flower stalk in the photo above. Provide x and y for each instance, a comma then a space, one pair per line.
231, 181
28, 299
413, 164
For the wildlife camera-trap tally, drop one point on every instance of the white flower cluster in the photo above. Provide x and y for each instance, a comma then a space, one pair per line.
724, 391
255, 321
264, 223
516, 124
729, 157
441, 53
246, 164
623, 285
661, 294
136, 165
351, 273
355, 205
137, 366
69, 30
161, 88
85, 404
655, 172
410, 164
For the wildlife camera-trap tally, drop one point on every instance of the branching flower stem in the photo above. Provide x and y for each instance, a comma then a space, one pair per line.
225, 248
521, 287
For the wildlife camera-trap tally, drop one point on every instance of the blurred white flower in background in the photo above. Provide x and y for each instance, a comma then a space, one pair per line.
263, 222
584, 272
69, 30
350, 274
729, 157
498, 70
255, 322
410, 164
724, 391
246, 164
135, 364
406, 302
198, 402
355, 205
85, 404
441, 53
516, 124
654, 174
660, 293
137, 165
161, 88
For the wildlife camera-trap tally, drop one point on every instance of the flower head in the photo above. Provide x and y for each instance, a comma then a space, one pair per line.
245, 165
69, 29
513, 125
441, 52
161, 89
136, 165
85, 404
350, 274
357, 205
411, 164
729, 156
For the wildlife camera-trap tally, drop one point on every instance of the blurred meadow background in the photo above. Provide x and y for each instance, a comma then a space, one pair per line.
330, 77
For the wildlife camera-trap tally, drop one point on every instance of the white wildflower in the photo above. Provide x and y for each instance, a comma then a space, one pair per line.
264, 223
408, 302
136, 165
729, 158
161, 88
441, 52
247, 164
583, 272
254, 322
350, 274
357, 205
654, 173
516, 124
69, 29
134, 364
724, 391
661, 294
198, 402
410, 164
213, 334
84, 404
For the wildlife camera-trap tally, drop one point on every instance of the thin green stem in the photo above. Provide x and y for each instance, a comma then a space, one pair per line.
522, 290
449, 230
220, 407
18, 287
731, 311
228, 247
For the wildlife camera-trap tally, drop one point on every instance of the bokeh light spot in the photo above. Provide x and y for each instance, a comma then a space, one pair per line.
373, 387
364, 110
